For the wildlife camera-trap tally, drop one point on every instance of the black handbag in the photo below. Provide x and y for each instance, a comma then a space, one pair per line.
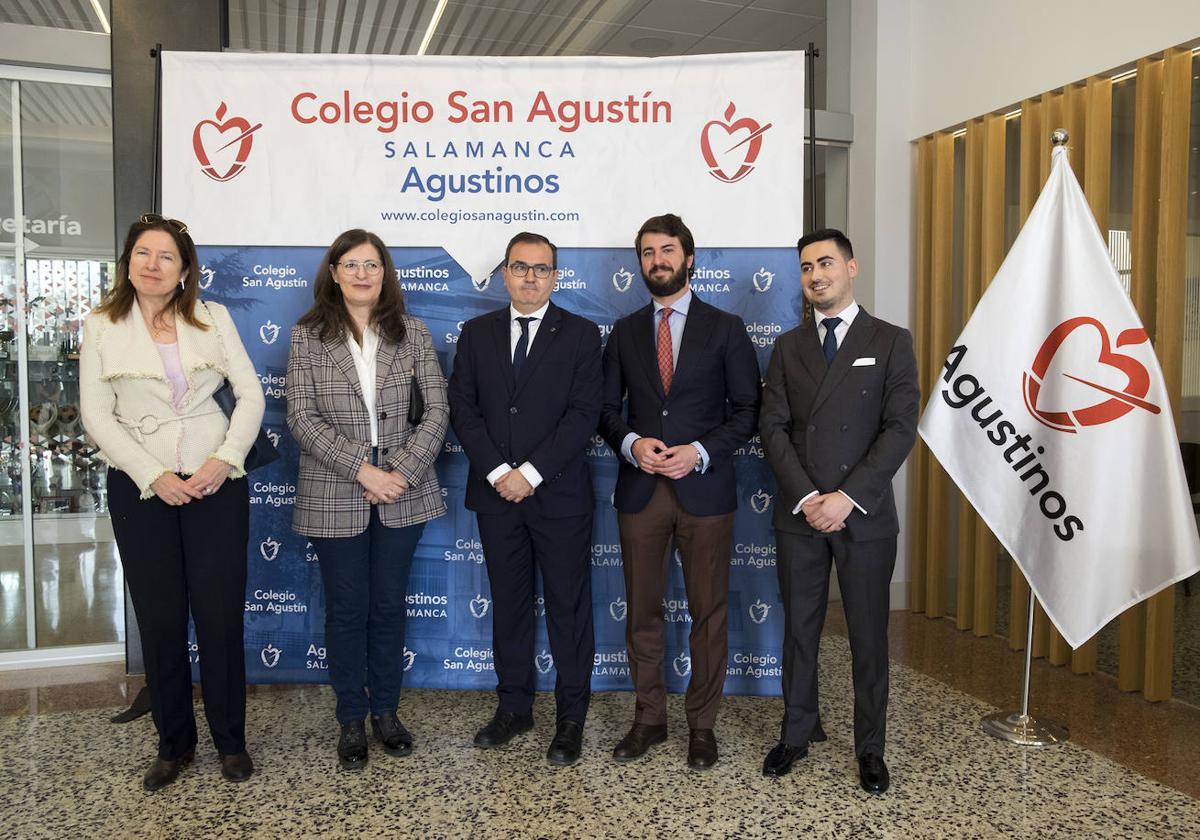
416, 402
263, 451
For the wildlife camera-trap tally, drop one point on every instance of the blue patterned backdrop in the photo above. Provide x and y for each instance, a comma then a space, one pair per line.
449, 612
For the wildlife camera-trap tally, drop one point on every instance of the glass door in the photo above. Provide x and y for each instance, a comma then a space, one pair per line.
60, 579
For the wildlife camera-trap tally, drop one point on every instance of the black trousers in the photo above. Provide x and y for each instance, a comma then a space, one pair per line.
864, 577
176, 558
561, 548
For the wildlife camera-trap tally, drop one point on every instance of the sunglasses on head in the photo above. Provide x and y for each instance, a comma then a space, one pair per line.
154, 219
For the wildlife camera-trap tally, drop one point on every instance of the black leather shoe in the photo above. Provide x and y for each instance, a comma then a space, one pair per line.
818, 734
164, 771
237, 767
779, 760
352, 746
502, 728
702, 749
391, 733
640, 738
566, 744
873, 773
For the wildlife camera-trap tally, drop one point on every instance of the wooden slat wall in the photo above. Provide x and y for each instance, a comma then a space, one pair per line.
1157, 287
1170, 304
1147, 148
991, 254
941, 293
921, 320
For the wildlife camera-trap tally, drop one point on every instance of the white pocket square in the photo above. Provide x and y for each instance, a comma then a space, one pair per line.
864, 361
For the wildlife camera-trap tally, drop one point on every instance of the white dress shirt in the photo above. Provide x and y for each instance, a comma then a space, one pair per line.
514, 335
364, 363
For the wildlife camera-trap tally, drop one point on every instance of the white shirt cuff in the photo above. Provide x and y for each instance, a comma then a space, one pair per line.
856, 504
531, 474
496, 474
703, 456
800, 504
627, 447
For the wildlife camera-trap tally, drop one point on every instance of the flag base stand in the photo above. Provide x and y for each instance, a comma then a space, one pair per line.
1018, 727
1023, 730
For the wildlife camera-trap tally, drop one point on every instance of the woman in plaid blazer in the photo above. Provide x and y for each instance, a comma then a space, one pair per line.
367, 484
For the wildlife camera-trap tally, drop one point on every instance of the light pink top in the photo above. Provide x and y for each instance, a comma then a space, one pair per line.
174, 370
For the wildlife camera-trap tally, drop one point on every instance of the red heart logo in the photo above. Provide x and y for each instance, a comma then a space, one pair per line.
218, 135
1118, 404
737, 146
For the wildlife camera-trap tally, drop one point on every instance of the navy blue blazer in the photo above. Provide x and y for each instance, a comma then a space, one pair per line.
547, 417
714, 399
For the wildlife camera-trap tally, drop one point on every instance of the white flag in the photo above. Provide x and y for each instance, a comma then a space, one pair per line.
1052, 416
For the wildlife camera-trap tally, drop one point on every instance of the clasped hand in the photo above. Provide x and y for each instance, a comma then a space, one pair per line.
655, 457
513, 486
381, 487
827, 512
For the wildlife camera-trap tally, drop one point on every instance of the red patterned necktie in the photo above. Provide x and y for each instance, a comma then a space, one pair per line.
666, 365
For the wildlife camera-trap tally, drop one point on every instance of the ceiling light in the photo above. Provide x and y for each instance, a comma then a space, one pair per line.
103, 18
433, 22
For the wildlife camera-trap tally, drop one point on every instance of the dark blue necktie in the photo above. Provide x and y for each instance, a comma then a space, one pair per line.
829, 345
522, 349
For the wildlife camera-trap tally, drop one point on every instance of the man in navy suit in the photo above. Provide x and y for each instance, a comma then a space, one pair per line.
524, 401
690, 376
839, 417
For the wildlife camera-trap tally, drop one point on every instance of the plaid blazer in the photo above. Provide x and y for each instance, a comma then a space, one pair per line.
327, 417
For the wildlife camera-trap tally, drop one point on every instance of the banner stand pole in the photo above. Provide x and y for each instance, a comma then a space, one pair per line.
810, 72
1014, 727
1019, 727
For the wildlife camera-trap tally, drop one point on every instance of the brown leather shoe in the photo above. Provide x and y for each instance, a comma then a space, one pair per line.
164, 771
702, 749
641, 737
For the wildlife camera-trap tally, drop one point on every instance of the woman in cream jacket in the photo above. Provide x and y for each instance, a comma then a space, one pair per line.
153, 355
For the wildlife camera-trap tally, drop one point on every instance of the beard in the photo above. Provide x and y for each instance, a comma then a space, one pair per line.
669, 286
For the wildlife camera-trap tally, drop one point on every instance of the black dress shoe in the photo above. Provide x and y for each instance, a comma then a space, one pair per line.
502, 728
818, 734
566, 744
873, 773
702, 749
237, 767
391, 733
164, 771
352, 746
640, 738
779, 760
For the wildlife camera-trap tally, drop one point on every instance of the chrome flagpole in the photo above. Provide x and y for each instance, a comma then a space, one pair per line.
1020, 727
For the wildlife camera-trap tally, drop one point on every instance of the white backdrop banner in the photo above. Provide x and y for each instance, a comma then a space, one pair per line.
460, 153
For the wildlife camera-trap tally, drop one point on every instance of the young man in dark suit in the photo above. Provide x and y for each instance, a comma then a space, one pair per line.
839, 417
690, 376
524, 402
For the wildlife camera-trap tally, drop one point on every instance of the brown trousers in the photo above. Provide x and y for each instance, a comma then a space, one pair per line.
704, 545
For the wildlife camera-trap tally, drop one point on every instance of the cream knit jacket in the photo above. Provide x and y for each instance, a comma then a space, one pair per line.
125, 396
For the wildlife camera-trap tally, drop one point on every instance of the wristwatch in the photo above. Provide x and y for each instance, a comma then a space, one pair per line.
699, 459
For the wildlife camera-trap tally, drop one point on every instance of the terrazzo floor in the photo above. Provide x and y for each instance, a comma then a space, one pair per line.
73, 774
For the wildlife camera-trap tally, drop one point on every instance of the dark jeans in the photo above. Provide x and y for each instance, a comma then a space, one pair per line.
176, 558
366, 579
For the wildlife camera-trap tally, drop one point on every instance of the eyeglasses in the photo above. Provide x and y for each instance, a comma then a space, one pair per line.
352, 266
155, 219
541, 271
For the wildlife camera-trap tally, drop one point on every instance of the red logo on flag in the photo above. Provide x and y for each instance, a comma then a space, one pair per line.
223, 144
731, 147
1117, 405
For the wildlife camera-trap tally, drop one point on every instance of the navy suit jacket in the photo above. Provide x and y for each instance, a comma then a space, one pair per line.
714, 399
846, 426
546, 417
